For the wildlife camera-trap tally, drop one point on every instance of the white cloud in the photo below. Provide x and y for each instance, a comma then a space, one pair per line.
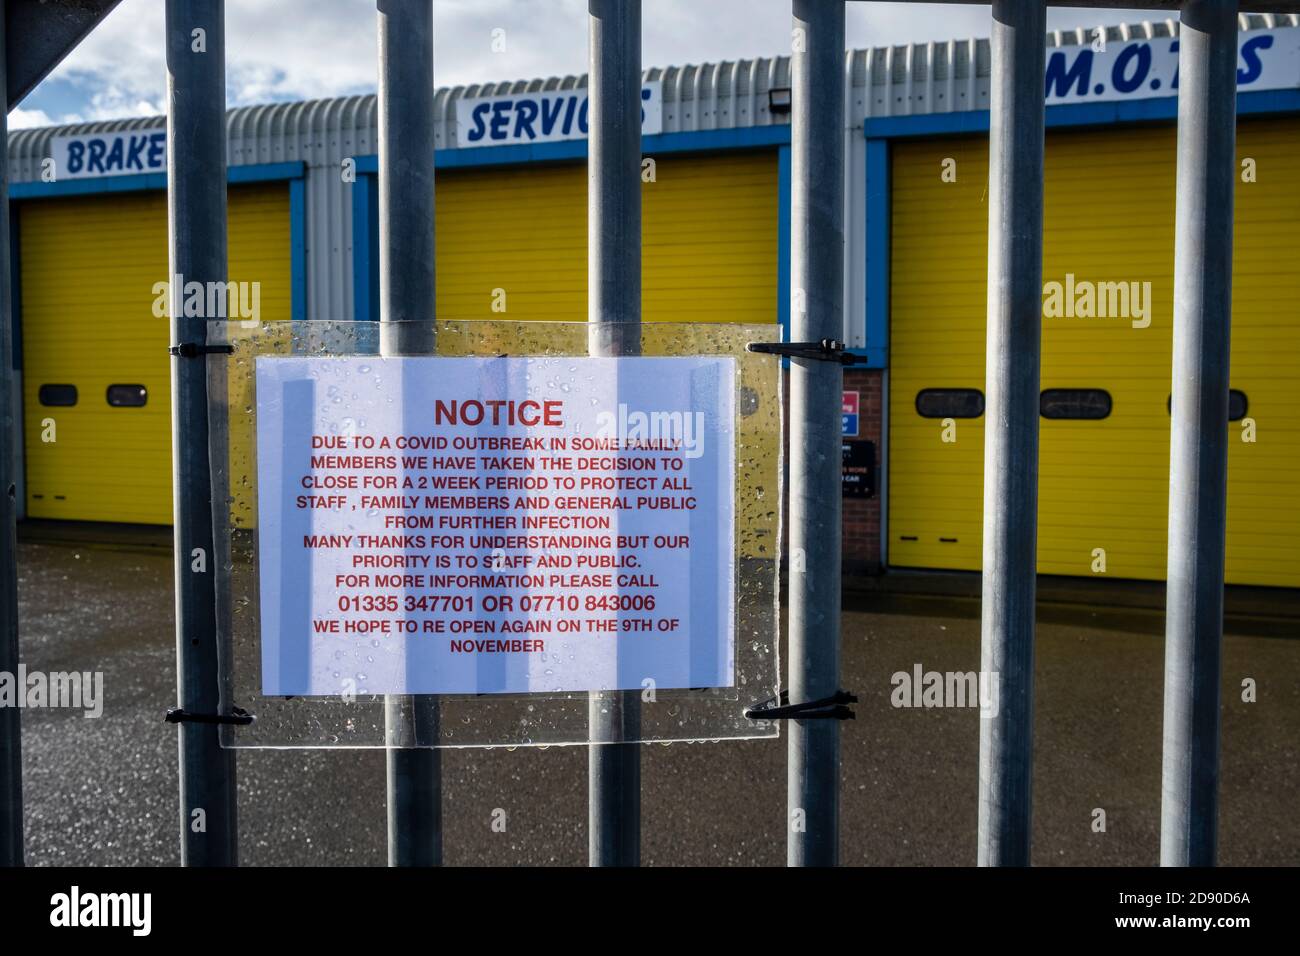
25, 119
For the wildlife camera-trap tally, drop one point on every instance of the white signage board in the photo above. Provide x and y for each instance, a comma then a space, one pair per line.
125, 153
541, 117
495, 525
1142, 69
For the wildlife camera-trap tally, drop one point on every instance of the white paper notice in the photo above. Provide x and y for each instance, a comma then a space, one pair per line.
495, 525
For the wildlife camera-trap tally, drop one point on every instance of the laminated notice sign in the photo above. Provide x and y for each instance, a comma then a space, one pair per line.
440, 525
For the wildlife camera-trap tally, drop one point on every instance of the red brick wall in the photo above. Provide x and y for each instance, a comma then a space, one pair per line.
862, 515
861, 551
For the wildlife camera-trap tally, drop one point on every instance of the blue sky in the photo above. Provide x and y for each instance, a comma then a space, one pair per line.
301, 49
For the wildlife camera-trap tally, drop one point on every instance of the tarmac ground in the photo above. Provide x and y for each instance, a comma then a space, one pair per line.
103, 791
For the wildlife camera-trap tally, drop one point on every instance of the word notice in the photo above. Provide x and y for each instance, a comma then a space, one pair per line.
495, 525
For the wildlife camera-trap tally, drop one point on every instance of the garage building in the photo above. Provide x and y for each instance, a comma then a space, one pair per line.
90, 244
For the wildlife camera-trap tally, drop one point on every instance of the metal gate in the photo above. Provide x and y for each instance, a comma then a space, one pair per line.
1206, 131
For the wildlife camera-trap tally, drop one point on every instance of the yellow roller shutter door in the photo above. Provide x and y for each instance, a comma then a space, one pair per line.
710, 245
1109, 216
709, 234
88, 267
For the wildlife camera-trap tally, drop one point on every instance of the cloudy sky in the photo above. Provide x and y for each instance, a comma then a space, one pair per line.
301, 49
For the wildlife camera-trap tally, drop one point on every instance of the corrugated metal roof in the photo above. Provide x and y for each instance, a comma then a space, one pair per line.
883, 81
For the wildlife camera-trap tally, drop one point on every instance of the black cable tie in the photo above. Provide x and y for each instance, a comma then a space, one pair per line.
237, 715
193, 350
833, 707
827, 350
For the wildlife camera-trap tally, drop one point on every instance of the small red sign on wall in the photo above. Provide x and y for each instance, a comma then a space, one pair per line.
849, 415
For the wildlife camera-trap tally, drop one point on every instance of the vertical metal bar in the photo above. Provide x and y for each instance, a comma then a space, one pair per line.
406, 315
414, 781
1015, 290
816, 312
11, 756
614, 316
196, 220
1198, 460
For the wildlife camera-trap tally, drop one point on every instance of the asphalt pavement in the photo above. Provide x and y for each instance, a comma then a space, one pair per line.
103, 791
